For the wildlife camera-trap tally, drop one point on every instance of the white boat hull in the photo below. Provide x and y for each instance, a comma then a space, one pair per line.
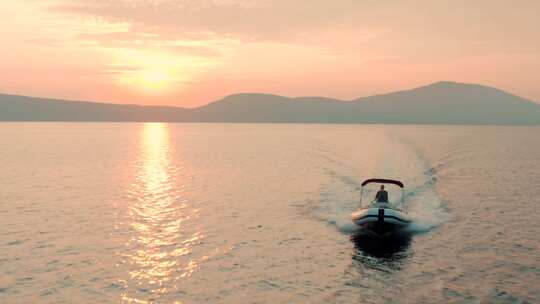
381, 220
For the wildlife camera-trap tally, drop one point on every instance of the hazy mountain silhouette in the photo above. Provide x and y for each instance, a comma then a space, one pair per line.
22, 108
438, 103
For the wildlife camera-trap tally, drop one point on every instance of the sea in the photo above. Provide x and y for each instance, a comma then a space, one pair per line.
260, 213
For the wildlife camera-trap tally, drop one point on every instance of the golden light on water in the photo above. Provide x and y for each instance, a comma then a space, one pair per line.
158, 251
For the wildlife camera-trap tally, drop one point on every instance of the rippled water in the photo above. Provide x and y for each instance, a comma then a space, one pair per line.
240, 213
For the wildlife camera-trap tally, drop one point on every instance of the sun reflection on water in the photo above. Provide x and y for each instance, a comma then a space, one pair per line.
157, 253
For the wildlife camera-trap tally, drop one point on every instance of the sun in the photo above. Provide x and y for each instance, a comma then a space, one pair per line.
147, 72
155, 72
154, 79
151, 79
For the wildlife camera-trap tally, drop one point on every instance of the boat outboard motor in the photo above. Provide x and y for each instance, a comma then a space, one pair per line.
380, 216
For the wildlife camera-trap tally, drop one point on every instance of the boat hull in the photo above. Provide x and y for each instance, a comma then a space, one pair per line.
381, 221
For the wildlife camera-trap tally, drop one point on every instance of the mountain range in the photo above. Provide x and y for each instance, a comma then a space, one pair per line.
438, 103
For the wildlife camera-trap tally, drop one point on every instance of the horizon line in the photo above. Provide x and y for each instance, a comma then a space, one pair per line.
267, 94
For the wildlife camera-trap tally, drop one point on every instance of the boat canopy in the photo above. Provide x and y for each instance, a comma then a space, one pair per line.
382, 181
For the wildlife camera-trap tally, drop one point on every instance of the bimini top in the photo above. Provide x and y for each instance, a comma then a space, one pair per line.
382, 181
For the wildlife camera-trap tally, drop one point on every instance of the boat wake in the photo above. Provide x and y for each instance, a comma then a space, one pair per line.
336, 206
423, 203
424, 206
340, 196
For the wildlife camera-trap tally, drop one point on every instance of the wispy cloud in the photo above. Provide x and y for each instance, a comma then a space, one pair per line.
410, 27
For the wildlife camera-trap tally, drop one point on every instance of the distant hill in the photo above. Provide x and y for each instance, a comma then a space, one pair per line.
22, 108
438, 103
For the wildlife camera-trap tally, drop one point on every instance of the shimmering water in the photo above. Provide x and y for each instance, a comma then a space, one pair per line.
240, 213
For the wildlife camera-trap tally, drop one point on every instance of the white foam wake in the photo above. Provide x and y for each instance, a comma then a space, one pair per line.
341, 195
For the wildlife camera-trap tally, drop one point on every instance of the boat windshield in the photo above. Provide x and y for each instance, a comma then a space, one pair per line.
382, 191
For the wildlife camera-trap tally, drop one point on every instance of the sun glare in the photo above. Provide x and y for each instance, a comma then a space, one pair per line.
155, 72
154, 79
148, 72
151, 79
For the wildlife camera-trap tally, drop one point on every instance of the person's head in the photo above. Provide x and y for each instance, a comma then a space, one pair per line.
382, 187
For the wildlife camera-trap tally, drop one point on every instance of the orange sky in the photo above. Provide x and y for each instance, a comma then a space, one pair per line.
191, 52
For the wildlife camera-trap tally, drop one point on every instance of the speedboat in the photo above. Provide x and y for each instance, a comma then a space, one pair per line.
381, 218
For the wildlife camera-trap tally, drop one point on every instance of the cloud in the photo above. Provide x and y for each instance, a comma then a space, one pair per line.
243, 19
408, 28
139, 40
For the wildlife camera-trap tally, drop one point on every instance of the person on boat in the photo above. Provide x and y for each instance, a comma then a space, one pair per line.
382, 196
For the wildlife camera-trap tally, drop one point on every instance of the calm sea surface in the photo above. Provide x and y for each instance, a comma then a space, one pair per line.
255, 213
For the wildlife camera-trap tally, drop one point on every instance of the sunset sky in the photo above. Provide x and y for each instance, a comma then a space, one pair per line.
188, 53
